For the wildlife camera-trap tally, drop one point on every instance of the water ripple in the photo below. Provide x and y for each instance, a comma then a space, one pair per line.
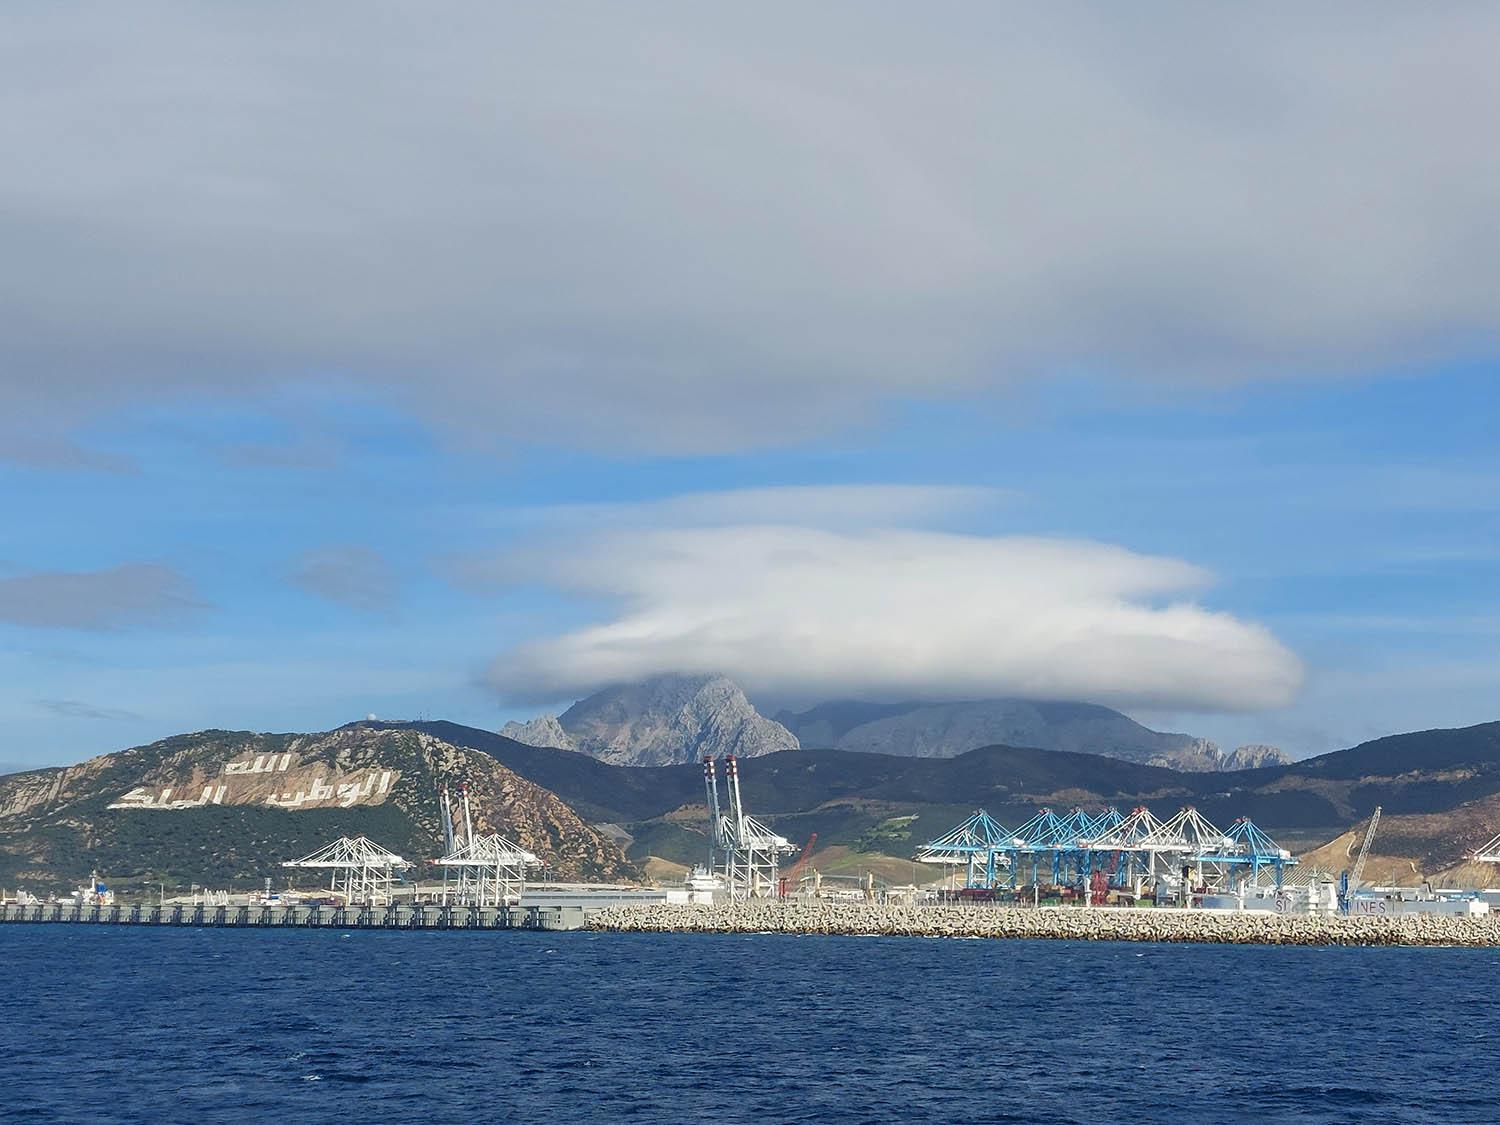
113, 1024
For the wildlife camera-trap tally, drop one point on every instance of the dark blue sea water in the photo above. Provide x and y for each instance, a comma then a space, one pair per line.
118, 1024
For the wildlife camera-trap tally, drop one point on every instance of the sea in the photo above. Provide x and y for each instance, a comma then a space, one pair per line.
112, 1023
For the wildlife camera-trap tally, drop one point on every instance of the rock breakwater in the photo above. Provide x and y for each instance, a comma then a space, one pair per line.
1062, 923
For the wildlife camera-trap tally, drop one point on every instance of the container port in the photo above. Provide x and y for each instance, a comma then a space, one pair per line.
1086, 874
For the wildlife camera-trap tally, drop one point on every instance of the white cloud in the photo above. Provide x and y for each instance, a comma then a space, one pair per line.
349, 574
820, 505
121, 596
802, 613
837, 505
689, 228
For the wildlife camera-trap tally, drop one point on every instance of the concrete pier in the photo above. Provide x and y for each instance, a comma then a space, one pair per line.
399, 917
1062, 923
847, 919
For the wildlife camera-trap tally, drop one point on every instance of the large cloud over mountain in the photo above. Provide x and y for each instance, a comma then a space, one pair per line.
687, 227
800, 612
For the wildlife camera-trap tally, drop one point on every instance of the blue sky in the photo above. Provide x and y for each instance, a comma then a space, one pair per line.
1357, 519
473, 365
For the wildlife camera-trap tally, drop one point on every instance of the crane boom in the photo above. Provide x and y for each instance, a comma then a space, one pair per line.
791, 877
1364, 851
711, 790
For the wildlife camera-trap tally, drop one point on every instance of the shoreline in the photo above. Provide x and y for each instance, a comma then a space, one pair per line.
1059, 923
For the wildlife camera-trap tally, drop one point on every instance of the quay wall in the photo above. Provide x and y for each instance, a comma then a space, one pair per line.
401, 917
849, 919
1062, 923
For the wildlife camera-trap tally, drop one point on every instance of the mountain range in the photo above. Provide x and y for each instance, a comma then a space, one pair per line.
675, 719
659, 721
225, 807
942, 730
1439, 789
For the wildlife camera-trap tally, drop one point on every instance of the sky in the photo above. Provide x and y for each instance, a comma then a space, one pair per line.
358, 361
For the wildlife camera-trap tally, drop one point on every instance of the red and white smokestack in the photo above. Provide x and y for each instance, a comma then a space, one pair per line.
731, 767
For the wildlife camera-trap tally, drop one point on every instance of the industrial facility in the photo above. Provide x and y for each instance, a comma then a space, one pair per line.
482, 869
1106, 856
1091, 858
744, 855
479, 869
358, 869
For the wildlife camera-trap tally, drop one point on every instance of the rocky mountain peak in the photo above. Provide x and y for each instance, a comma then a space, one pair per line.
544, 730
1256, 756
664, 720
671, 719
1194, 755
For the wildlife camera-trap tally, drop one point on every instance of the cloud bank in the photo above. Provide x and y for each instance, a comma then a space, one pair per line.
76, 709
349, 574
692, 228
117, 598
802, 612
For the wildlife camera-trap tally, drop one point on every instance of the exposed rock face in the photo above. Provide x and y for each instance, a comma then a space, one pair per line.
669, 720
1255, 756
943, 730
544, 730
1199, 755
666, 720
220, 806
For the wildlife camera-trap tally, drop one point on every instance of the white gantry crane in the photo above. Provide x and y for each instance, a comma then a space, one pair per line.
741, 849
978, 845
479, 869
360, 871
1488, 852
1137, 842
1191, 842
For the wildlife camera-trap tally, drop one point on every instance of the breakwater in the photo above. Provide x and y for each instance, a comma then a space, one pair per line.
1062, 923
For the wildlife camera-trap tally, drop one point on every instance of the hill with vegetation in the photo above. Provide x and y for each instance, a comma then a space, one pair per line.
1440, 791
226, 808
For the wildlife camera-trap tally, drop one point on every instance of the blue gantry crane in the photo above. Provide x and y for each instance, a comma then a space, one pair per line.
1095, 851
978, 845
